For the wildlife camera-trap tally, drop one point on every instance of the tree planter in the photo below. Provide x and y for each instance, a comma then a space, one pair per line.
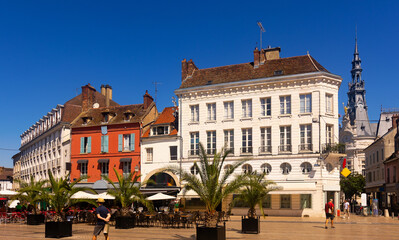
58, 229
211, 233
250, 225
35, 219
125, 222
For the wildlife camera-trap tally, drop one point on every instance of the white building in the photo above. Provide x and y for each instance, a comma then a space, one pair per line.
277, 112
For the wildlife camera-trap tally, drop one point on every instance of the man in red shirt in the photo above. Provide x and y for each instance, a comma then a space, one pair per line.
329, 208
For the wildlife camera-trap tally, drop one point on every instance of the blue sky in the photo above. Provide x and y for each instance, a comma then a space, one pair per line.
49, 49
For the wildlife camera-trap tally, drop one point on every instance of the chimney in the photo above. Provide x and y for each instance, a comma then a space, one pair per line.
108, 94
87, 97
256, 58
147, 99
395, 119
262, 57
272, 53
187, 69
103, 90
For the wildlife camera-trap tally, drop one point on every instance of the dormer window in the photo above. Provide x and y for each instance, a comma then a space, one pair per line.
107, 116
128, 116
86, 120
160, 130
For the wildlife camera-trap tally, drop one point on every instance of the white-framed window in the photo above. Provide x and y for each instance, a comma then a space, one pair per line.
266, 106
194, 113
306, 138
173, 152
285, 139
194, 143
229, 140
306, 167
85, 145
211, 142
246, 108
329, 103
211, 111
305, 103
285, 105
306, 201
228, 110
246, 140
246, 168
160, 130
329, 134
227, 167
127, 168
150, 154
265, 140
285, 168
83, 169
194, 170
266, 168
126, 142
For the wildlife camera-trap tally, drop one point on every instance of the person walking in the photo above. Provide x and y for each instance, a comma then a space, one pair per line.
346, 209
103, 217
329, 209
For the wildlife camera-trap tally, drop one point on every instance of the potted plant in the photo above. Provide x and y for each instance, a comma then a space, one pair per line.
126, 193
253, 193
32, 192
212, 186
59, 198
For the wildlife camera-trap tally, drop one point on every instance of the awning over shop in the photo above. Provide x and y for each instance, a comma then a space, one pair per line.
125, 160
104, 160
83, 161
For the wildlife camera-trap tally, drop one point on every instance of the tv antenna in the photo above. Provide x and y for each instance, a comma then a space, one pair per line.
156, 89
262, 30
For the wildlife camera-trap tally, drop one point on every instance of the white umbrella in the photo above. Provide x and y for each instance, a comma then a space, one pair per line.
13, 204
105, 195
160, 196
84, 195
7, 193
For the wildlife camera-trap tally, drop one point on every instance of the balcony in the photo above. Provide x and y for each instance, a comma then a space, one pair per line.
210, 151
265, 150
193, 153
246, 151
333, 148
307, 147
285, 149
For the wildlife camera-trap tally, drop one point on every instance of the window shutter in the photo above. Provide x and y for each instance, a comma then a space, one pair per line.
89, 145
82, 145
106, 144
102, 143
132, 141
120, 142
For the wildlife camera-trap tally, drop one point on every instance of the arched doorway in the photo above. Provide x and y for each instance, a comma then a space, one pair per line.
161, 180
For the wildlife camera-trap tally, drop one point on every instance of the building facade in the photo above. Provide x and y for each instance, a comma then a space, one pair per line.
6, 178
16, 171
280, 113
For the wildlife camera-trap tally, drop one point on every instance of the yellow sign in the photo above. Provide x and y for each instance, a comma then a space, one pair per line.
345, 172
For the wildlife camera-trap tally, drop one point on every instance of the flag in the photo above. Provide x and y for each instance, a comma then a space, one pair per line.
261, 27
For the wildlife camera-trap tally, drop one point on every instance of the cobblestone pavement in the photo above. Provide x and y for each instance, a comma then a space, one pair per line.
271, 228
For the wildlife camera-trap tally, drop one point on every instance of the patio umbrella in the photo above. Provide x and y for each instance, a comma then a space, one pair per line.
13, 204
84, 195
160, 196
7, 193
105, 196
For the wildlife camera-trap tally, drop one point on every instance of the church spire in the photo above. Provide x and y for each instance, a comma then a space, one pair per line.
356, 65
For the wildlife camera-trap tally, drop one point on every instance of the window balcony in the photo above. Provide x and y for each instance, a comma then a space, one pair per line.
265, 150
285, 149
210, 151
193, 153
333, 148
246, 151
307, 147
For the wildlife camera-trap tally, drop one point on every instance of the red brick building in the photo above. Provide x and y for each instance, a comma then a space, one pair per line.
104, 138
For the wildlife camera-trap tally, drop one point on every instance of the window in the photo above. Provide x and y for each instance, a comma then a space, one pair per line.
229, 140
194, 170
104, 166
227, 167
306, 138
330, 167
329, 103
173, 152
104, 144
246, 168
246, 140
126, 142
211, 142
160, 130
83, 169
285, 201
149, 154
285, 105
306, 201
265, 140
85, 145
329, 134
305, 103
195, 113
194, 143
228, 110
306, 168
285, 139
211, 111
127, 168
267, 201
394, 174
266, 168
266, 106
285, 168
246, 108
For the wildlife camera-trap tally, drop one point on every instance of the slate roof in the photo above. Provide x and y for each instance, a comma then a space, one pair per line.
246, 71
166, 117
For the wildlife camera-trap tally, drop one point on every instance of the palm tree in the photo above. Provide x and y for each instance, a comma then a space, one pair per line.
254, 192
212, 185
61, 192
31, 192
128, 191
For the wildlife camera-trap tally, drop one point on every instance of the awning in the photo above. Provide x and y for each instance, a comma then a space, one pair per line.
125, 160
83, 161
104, 160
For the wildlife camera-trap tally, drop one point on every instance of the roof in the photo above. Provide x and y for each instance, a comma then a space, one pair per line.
246, 71
165, 118
97, 117
6, 174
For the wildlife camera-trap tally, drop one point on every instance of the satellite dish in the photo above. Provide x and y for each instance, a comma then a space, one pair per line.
96, 105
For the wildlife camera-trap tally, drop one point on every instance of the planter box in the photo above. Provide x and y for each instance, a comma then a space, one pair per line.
35, 219
58, 229
125, 222
250, 225
211, 233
